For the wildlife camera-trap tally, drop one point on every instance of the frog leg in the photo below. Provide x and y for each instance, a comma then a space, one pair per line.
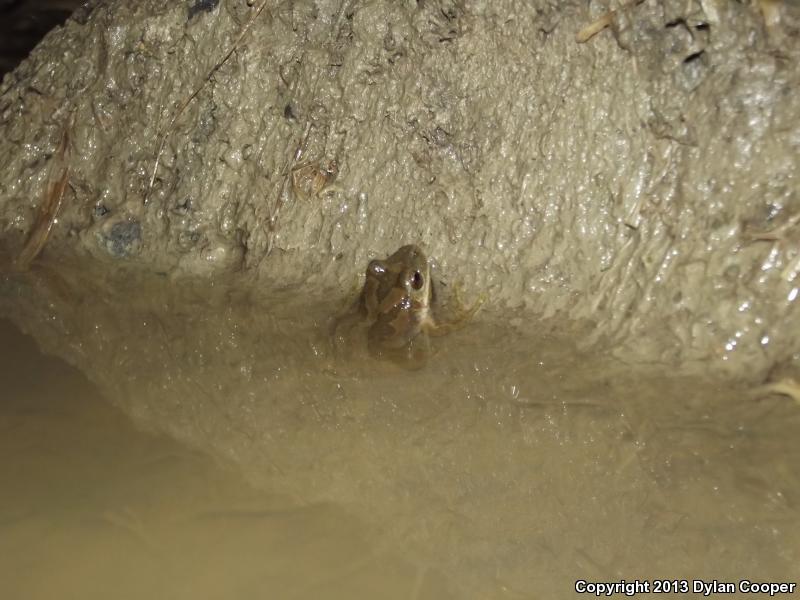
393, 299
461, 317
370, 299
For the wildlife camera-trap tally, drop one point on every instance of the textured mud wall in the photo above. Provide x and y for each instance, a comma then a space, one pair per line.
646, 179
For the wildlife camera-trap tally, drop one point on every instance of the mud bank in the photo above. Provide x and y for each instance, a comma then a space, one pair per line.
646, 180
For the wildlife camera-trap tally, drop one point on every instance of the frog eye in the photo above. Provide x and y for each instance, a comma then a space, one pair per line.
417, 281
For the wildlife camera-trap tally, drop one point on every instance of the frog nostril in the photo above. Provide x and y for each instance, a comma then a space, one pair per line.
417, 280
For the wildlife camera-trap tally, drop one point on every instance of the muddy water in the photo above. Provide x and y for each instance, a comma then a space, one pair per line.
91, 507
511, 465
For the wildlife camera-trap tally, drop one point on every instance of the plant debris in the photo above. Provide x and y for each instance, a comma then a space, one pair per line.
48, 208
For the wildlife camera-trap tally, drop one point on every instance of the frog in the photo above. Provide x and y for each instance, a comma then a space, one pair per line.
397, 305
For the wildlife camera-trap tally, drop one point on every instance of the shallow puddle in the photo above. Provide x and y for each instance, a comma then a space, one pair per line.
91, 507
510, 466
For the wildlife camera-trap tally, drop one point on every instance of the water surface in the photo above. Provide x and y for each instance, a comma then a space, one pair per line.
511, 465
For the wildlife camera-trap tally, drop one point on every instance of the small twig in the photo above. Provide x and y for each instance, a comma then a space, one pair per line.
785, 387
290, 164
776, 233
285, 175
591, 30
168, 129
588, 32
48, 209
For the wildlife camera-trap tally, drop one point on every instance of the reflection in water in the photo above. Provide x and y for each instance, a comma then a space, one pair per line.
92, 508
511, 464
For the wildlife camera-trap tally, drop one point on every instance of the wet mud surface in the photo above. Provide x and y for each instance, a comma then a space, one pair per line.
645, 179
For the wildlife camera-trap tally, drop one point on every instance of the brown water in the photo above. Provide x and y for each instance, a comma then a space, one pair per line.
510, 466
91, 507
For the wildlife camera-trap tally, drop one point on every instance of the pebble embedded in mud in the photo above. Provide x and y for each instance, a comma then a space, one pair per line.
123, 239
202, 6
